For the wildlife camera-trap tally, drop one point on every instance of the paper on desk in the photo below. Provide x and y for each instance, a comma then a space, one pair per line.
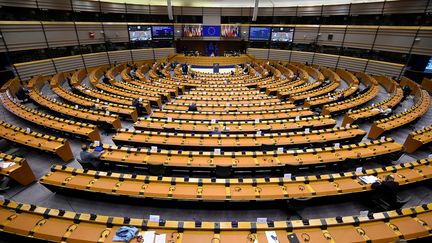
149, 236
271, 237
7, 164
368, 179
160, 238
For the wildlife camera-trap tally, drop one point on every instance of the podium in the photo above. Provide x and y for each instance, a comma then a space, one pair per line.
215, 67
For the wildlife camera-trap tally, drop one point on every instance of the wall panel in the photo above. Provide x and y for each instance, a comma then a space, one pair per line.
22, 4
26, 36
64, 64
423, 45
28, 69
305, 34
57, 4
384, 68
366, 8
116, 32
395, 39
192, 11
300, 56
360, 37
137, 9
280, 55
96, 59
158, 10
325, 60
162, 53
231, 12
120, 56
309, 11
292, 11
258, 53
85, 28
417, 6
87, 6
336, 10
265, 12
142, 54
113, 7
352, 64
336, 31
59, 35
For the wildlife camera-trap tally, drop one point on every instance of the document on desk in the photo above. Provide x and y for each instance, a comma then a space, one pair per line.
160, 238
149, 236
271, 237
368, 179
7, 164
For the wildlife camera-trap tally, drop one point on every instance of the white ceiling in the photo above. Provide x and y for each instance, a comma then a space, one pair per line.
242, 3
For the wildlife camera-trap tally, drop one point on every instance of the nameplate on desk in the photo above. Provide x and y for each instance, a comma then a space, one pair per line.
287, 175
337, 145
307, 130
262, 220
258, 133
169, 119
257, 120
359, 169
213, 121
96, 143
217, 151
153, 148
297, 118
280, 149
154, 218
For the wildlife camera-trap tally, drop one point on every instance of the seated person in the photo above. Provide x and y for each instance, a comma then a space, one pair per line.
89, 158
133, 74
105, 79
406, 92
386, 191
22, 94
193, 75
137, 103
215, 131
193, 107
385, 111
4, 181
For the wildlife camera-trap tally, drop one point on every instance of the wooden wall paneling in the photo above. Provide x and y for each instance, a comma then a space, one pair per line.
342, 9
366, 8
305, 34
336, 31
95, 59
360, 37
394, 39
64, 64
60, 34
84, 28
57, 4
142, 54
326, 60
423, 46
23, 36
309, 10
258, 53
29, 69
291, 11
405, 6
352, 63
85, 5
384, 68
120, 56
107, 7
116, 32
301, 56
162, 53
280, 55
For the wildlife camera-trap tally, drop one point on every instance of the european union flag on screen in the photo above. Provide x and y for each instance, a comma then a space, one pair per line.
211, 30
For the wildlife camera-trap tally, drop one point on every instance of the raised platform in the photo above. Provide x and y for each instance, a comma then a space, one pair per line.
208, 61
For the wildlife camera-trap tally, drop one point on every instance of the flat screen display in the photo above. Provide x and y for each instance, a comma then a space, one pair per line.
192, 31
428, 67
163, 32
230, 31
259, 33
282, 34
139, 33
211, 30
